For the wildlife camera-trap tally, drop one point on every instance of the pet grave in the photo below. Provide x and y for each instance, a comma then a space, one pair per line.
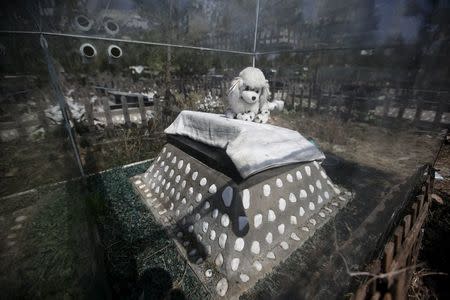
237, 209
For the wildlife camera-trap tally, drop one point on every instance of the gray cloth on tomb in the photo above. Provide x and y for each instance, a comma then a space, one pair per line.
253, 147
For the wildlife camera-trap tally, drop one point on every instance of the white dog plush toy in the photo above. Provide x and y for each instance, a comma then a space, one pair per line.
248, 97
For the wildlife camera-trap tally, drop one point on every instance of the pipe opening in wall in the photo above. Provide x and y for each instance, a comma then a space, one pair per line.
111, 27
114, 51
83, 23
88, 50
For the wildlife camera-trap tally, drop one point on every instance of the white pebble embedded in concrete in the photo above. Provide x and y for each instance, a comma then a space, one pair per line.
271, 216
255, 249
225, 220
235, 264
266, 190
219, 260
203, 181
289, 178
308, 170
257, 265
269, 238
212, 189
281, 228
246, 199
292, 198
281, 204
222, 287
239, 244
257, 220
244, 277
303, 194
222, 240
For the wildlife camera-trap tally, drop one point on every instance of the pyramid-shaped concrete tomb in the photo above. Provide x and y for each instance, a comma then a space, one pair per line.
232, 232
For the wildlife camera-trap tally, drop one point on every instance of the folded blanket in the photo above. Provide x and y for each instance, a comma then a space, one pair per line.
252, 147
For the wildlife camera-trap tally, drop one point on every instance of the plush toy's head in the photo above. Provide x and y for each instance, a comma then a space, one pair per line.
252, 85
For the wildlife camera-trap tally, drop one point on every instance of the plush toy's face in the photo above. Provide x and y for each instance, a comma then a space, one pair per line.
249, 94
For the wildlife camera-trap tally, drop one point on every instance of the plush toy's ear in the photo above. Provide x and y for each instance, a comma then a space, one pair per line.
265, 95
235, 85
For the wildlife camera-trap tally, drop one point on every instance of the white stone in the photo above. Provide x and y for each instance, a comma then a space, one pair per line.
319, 199
239, 244
183, 201
191, 190
208, 273
157, 189
257, 265
271, 216
191, 228
188, 168
180, 164
215, 213
327, 195
311, 188
222, 287
243, 221
167, 186
212, 235
313, 221
219, 260
289, 178
328, 209
166, 168
266, 190
303, 194
292, 198
169, 155
190, 209
174, 160
269, 238
322, 214
342, 198
172, 191
334, 204
305, 228
281, 204
177, 196
198, 198
212, 189
270, 255
308, 170
312, 206
244, 277
164, 150
235, 263
183, 184
295, 237
246, 199
318, 184
205, 226
257, 220
171, 206
322, 173
227, 196
194, 175
293, 220
298, 174
206, 205
255, 249
208, 250
279, 183
316, 164
222, 240
137, 182
225, 220
281, 228
161, 195
171, 173
203, 181
177, 212
284, 245
301, 211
